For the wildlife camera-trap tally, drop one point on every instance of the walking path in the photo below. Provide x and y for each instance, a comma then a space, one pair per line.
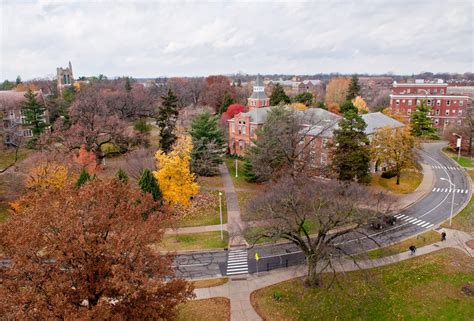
238, 291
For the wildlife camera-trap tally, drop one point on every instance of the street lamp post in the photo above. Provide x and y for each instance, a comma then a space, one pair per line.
220, 214
458, 144
451, 184
236, 166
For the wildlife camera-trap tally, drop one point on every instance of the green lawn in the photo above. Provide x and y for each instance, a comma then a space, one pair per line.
8, 156
463, 161
206, 212
240, 182
213, 309
426, 238
427, 287
195, 241
409, 181
3, 212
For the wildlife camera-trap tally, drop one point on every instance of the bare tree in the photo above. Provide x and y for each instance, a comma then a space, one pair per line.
315, 215
137, 161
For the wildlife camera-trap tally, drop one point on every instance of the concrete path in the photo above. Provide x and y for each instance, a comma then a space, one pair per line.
238, 291
195, 229
426, 185
235, 225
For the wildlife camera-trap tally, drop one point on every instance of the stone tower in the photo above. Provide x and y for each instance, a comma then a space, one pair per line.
258, 98
65, 77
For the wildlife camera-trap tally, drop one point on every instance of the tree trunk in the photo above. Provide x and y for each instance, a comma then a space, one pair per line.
398, 178
313, 279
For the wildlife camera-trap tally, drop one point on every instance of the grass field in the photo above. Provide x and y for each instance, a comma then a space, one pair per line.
195, 241
8, 156
426, 238
204, 210
463, 161
427, 287
409, 181
240, 182
210, 182
213, 309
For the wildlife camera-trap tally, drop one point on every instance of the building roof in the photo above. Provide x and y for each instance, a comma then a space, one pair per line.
11, 99
258, 95
259, 81
257, 115
378, 120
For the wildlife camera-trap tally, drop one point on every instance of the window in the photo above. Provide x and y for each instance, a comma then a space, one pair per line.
408, 90
437, 112
446, 121
461, 103
441, 91
459, 121
448, 102
428, 102
418, 103
436, 121
398, 102
446, 112
403, 100
409, 102
325, 142
460, 112
252, 131
453, 112
438, 102
435, 91
27, 133
241, 145
324, 158
409, 111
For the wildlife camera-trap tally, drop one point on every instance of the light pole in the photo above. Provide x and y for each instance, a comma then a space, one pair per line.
236, 166
451, 184
220, 213
458, 144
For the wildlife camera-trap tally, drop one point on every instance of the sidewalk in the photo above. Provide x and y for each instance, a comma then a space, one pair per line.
195, 229
426, 185
238, 291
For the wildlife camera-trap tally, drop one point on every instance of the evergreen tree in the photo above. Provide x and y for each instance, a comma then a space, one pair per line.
6, 85
18, 80
128, 86
278, 96
148, 184
166, 120
347, 106
226, 102
320, 104
33, 112
249, 174
208, 144
354, 88
352, 154
83, 178
420, 122
304, 98
121, 175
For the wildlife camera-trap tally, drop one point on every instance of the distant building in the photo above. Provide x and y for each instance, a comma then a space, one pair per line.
372, 87
446, 109
13, 123
64, 77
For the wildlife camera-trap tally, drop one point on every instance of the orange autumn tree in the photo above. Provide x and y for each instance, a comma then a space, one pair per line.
86, 160
173, 172
84, 254
361, 105
336, 92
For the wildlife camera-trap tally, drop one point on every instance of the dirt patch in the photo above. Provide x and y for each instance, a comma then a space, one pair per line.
470, 244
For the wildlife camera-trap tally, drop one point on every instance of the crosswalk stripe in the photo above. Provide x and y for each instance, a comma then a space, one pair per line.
237, 262
411, 220
399, 215
406, 218
420, 223
237, 255
429, 226
425, 224
416, 221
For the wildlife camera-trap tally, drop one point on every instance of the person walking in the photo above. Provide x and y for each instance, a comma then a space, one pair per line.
443, 236
412, 249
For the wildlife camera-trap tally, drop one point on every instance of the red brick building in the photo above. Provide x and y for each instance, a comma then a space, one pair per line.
446, 109
258, 99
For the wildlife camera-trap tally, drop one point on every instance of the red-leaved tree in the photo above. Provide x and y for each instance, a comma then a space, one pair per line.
231, 111
84, 254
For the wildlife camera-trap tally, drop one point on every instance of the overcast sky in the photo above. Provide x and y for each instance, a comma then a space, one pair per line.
171, 38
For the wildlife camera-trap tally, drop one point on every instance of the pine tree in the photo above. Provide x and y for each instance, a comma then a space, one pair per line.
208, 144
18, 80
347, 106
249, 175
121, 175
278, 96
354, 88
420, 122
352, 154
128, 86
83, 178
33, 112
226, 102
148, 184
166, 120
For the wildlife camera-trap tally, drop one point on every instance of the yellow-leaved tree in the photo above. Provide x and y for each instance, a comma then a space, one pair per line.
173, 173
361, 105
298, 106
336, 92
48, 175
395, 147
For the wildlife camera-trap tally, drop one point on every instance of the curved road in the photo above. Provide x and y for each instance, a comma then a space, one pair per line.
427, 213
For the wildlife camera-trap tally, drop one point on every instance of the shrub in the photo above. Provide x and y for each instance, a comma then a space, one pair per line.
141, 126
277, 295
389, 174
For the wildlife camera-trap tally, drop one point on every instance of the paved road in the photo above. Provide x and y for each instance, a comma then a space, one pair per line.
425, 214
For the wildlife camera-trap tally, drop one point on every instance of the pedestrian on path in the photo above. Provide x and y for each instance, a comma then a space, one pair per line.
443, 236
412, 249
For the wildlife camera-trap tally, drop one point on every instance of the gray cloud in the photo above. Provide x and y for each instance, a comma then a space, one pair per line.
154, 38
